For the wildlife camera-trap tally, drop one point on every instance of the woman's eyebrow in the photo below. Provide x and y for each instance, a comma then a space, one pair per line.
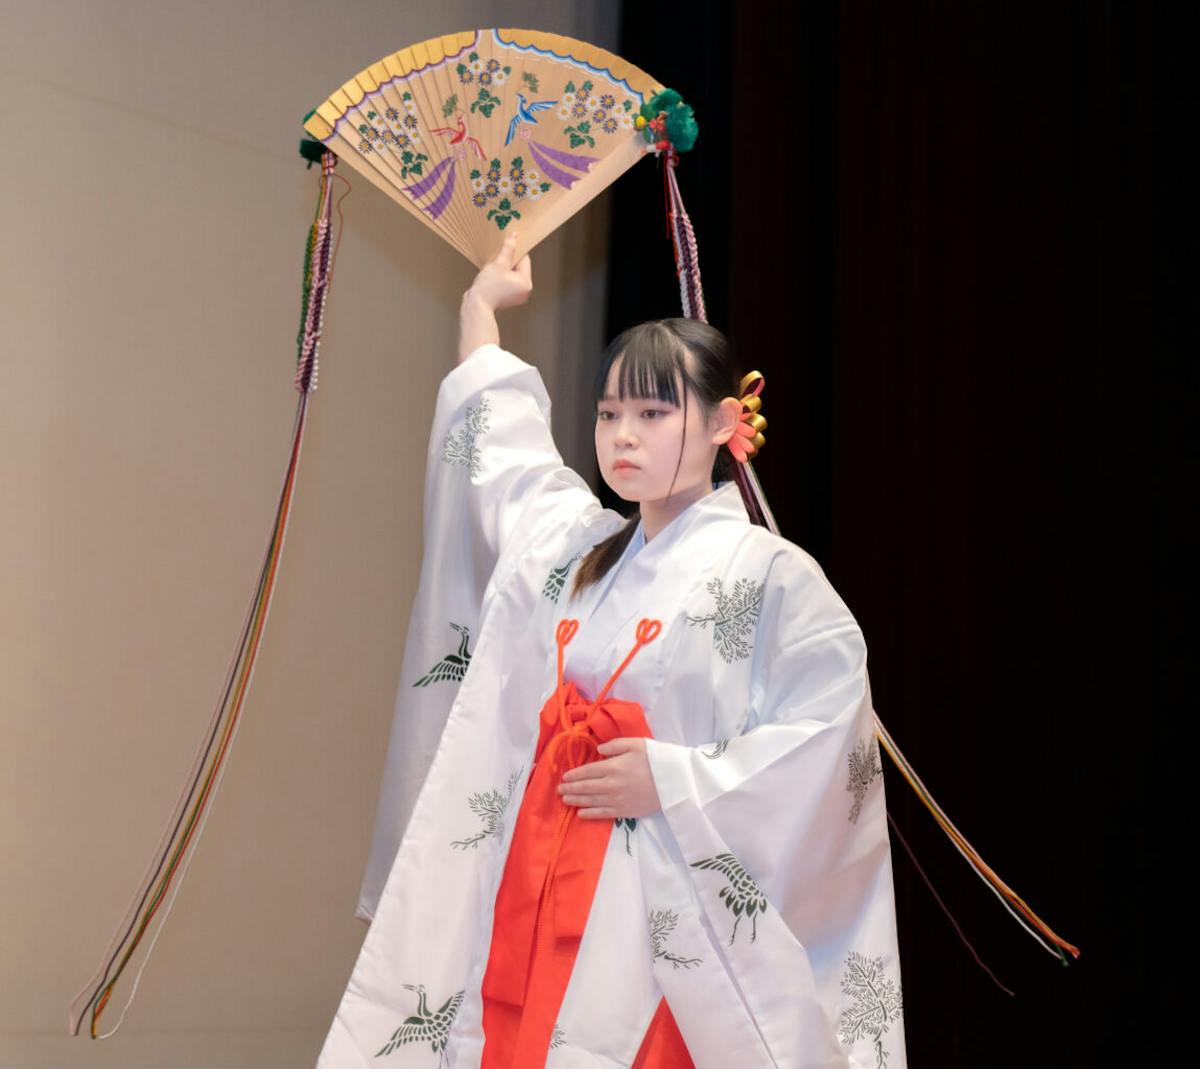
652, 399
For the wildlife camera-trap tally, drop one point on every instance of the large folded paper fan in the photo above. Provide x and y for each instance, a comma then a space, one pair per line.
476, 132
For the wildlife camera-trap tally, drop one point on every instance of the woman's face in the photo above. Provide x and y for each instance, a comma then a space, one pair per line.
638, 440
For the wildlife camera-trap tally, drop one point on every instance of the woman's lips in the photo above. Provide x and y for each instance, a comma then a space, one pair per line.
624, 465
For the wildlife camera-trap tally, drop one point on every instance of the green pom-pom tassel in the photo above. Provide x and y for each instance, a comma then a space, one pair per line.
679, 122
665, 100
682, 128
312, 150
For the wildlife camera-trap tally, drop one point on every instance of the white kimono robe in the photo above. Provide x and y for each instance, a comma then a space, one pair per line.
759, 900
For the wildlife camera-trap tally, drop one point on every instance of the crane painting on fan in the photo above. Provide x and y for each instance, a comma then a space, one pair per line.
460, 139
526, 112
477, 131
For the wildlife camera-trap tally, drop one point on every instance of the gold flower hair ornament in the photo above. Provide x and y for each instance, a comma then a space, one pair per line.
747, 437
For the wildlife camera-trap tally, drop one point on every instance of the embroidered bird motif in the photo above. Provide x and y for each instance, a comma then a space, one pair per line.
526, 112
628, 823
454, 665
434, 1027
742, 897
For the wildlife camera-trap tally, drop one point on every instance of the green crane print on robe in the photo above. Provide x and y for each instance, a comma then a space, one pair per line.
424, 1026
454, 665
742, 897
628, 823
556, 579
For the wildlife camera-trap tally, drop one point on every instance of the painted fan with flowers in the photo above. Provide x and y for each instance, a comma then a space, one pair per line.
476, 131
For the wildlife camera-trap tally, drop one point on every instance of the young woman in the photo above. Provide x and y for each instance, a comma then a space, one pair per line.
653, 831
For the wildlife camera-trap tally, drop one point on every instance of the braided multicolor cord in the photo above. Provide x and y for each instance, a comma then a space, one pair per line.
181, 835
691, 292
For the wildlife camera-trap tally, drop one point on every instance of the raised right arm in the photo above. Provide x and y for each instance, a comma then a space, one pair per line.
493, 464
494, 480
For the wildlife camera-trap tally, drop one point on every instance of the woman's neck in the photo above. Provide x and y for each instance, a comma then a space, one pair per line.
657, 514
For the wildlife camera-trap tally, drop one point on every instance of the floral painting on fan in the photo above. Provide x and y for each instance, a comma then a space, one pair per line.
474, 131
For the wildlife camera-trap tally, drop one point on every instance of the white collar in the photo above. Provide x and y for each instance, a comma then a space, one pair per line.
725, 502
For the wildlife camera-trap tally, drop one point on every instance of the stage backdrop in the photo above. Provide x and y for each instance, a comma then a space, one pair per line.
960, 240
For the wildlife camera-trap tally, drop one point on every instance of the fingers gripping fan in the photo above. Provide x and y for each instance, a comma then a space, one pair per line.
477, 132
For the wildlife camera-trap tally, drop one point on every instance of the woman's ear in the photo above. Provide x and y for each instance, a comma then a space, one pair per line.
725, 419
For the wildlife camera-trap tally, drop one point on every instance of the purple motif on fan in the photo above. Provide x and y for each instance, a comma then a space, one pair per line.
544, 154
419, 189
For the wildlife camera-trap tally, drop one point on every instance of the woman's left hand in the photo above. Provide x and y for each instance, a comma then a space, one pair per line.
619, 786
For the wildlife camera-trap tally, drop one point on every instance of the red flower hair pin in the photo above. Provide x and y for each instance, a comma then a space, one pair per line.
747, 437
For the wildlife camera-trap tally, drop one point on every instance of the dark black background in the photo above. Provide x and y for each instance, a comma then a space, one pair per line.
959, 240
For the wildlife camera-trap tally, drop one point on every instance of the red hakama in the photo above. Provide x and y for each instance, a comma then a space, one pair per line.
550, 878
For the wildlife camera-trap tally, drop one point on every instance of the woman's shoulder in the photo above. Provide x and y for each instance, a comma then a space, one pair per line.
797, 598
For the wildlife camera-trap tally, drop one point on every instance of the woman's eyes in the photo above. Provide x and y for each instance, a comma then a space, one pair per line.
650, 413
646, 412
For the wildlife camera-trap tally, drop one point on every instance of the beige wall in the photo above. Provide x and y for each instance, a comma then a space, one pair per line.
153, 220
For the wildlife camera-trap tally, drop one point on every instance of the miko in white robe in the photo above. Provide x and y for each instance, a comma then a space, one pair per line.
758, 902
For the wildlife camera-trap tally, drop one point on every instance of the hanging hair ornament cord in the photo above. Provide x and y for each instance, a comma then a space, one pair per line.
670, 126
173, 856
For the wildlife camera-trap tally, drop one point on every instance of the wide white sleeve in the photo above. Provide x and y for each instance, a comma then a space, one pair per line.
493, 464
494, 482
786, 823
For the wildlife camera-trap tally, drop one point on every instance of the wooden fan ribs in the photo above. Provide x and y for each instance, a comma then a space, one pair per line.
474, 132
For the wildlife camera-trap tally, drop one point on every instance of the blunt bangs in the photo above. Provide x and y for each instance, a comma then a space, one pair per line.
651, 365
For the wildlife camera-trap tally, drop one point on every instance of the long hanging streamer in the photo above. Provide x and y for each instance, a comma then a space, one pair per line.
181, 835
691, 292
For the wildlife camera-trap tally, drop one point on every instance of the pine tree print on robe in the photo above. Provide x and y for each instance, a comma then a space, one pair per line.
742, 897
734, 617
425, 1026
662, 924
864, 767
876, 1004
462, 446
490, 807
454, 665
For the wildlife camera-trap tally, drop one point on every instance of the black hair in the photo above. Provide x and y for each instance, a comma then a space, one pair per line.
654, 365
